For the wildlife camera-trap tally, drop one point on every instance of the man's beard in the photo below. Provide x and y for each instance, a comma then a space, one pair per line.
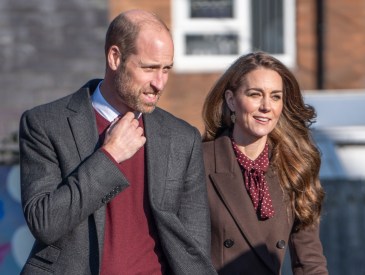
131, 98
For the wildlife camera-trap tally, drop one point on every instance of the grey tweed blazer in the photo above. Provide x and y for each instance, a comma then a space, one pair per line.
66, 181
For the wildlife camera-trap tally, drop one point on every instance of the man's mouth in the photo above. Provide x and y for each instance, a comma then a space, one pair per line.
151, 96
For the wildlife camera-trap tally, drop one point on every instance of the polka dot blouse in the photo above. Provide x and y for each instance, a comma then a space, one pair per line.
255, 182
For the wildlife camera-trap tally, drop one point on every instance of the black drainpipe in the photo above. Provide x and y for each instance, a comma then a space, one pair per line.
320, 44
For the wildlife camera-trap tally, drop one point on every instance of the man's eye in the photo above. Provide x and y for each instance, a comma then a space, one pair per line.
166, 70
148, 69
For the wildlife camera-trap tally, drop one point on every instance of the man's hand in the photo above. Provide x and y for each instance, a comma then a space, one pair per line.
124, 137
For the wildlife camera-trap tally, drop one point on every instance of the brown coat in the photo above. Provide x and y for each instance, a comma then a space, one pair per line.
241, 244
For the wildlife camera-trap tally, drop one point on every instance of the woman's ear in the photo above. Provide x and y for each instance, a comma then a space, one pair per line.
114, 57
230, 100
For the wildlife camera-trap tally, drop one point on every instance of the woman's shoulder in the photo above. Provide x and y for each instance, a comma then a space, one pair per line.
208, 148
219, 147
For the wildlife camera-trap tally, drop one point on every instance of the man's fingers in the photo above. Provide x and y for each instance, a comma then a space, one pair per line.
124, 137
129, 116
127, 119
114, 122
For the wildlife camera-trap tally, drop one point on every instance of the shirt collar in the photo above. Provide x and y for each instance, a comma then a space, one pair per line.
102, 106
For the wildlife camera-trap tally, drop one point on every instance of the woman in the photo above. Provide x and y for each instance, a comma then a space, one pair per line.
262, 171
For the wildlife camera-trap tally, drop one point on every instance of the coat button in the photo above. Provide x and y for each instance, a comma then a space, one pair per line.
280, 244
228, 243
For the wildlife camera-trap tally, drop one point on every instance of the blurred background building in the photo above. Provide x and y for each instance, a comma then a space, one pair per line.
49, 49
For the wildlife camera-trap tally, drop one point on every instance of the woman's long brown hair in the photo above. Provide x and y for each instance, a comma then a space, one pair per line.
294, 154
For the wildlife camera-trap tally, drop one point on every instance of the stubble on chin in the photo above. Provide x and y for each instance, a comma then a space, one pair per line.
130, 98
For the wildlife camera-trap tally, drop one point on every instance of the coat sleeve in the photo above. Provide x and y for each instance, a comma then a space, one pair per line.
307, 252
55, 200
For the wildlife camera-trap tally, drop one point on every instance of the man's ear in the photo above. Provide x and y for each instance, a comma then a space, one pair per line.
114, 57
229, 97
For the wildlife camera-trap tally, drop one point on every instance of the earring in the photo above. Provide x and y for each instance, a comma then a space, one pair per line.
233, 117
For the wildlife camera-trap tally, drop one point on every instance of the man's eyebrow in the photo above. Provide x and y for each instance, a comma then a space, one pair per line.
153, 65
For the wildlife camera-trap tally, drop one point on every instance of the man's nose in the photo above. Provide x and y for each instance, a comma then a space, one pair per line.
159, 80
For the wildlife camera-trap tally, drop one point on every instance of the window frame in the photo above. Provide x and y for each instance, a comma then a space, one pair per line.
183, 25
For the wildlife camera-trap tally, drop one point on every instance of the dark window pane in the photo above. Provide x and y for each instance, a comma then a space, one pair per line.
211, 44
267, 26
211, 8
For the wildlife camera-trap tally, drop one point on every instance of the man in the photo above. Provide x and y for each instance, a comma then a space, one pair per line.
106, 190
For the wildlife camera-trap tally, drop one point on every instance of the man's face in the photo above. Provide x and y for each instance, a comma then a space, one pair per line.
139, 83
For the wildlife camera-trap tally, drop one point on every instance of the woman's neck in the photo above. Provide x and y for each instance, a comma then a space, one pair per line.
252, 148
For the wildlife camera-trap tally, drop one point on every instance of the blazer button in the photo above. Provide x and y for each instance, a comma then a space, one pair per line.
280, 244
228, 243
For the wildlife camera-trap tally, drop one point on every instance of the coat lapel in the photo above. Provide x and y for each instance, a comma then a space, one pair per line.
227, 180
157, 152
84, 129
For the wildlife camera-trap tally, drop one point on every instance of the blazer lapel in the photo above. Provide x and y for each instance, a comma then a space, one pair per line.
227, 180
83, 125
157, 152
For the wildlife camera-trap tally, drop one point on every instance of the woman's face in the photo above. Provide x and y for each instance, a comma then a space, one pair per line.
257, 103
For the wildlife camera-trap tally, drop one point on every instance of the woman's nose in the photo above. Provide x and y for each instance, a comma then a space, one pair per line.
265, 104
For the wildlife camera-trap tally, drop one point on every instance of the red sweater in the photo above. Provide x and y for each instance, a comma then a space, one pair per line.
131, 244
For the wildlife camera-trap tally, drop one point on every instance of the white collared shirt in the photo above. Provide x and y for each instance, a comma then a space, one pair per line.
102, 106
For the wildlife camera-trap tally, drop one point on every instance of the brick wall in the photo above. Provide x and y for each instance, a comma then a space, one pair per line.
345, 44
305, 69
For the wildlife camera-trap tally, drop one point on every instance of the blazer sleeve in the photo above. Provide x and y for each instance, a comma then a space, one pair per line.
58, 193
307, 252
194, 210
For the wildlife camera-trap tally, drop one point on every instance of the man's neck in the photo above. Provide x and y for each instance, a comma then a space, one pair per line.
112, 98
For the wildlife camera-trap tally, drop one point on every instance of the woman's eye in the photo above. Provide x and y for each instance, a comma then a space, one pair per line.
276, 97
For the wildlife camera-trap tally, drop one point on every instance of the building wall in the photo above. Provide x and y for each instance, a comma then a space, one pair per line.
306, 68
345, 44
48, 49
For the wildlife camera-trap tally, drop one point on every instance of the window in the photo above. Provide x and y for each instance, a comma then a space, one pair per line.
210, 34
